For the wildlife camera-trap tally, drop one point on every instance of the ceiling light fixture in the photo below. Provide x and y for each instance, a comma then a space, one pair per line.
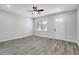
8, 5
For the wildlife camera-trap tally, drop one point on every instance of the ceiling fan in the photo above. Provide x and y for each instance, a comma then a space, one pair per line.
35, 10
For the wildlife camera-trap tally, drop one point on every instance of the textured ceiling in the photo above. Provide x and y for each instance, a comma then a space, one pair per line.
49, 8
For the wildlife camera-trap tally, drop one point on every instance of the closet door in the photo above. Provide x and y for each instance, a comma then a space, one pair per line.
59, 30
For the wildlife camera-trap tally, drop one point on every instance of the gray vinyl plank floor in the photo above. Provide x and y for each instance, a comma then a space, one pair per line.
35, 45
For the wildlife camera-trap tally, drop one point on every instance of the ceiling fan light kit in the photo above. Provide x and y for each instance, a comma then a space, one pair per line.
35, 12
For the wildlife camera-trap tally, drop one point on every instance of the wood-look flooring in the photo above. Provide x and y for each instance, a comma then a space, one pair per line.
34, 45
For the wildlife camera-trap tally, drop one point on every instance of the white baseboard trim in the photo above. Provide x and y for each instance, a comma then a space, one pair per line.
19, 36
25, 35
56, 38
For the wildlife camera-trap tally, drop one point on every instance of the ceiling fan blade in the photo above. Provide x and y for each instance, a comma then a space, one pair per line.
41, 10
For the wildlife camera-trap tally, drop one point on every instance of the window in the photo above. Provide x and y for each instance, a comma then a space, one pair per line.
38, 26
59, 19
44, 25
41, 25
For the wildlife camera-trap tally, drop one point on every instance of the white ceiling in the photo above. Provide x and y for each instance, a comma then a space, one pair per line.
49, 8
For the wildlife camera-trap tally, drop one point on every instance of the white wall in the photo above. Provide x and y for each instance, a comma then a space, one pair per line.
78, 26
14, 26
69, 26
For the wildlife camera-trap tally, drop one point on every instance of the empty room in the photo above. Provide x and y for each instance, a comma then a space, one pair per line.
39, 29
